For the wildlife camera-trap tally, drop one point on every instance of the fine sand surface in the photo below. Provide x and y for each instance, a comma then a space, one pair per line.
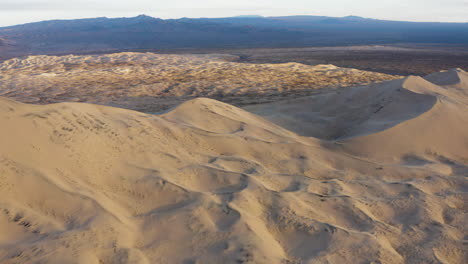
373, 174
151, 82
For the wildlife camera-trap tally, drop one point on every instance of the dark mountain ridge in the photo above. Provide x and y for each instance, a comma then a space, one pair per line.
145, 32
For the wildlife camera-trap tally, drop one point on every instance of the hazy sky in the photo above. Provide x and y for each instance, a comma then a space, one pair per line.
22, 11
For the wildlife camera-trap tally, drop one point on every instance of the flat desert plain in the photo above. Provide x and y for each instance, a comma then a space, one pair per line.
371, 173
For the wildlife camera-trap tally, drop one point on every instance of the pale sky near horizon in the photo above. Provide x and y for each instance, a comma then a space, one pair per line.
23, 11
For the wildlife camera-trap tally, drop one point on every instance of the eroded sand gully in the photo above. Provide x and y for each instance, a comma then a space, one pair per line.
208, 182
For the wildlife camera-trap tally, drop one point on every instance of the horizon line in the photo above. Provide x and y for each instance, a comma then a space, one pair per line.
236, 16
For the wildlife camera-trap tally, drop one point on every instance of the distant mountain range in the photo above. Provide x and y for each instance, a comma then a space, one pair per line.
145, 32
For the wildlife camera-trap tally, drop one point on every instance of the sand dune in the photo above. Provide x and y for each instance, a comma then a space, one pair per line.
419, 117
208, 182
151, 82
451, 78
352, 111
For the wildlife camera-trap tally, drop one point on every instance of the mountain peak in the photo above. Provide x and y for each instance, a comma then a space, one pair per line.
249, 16
143, 16
351, 17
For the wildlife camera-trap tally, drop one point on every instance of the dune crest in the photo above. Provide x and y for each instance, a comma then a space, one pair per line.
438, 132
385, 121
452, 77
353, 111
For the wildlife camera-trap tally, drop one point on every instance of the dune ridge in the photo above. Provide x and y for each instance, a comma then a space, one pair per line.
452, 78
425, 117
207, 182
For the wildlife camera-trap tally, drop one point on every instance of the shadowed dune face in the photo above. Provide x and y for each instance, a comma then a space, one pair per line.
211, 183
353, 111
453, 78
386, 120
448, 78
440, 131
151, 82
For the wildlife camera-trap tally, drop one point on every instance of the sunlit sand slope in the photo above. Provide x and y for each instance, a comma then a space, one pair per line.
211, 183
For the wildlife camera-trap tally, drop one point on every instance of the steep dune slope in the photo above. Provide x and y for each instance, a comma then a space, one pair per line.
387, 121
343, 113
438, 133
452, 78
210, 183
